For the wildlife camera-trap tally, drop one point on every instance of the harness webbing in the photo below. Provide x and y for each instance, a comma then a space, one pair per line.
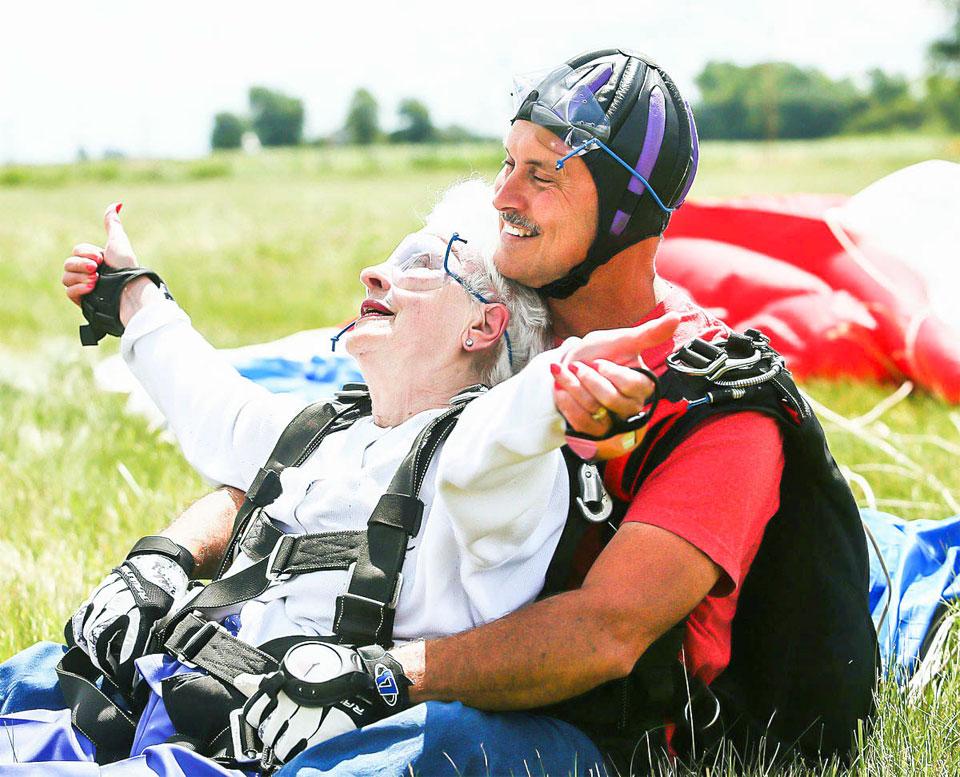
364, 614
92, 711
299, 439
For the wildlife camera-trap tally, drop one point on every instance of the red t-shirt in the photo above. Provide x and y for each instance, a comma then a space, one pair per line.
716, 490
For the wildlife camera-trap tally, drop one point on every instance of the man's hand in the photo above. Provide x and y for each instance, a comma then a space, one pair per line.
323, 690
114, 626
596, 376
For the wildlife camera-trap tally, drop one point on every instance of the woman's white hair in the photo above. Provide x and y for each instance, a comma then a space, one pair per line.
466, 208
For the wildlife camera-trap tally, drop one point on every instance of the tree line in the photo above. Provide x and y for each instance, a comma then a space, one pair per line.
277, 120
768, 100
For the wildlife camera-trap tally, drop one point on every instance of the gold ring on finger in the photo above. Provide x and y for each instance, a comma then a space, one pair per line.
599, 414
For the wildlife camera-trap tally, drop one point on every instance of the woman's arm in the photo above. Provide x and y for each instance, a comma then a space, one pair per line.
500, 465
225, 424
502, 462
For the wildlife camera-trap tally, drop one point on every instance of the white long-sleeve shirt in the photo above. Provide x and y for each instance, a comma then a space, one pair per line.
495, 496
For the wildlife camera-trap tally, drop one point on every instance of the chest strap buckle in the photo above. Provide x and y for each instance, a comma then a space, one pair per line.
711, 361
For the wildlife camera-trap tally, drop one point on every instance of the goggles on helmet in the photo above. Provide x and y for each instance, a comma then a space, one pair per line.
422, 262
559, 101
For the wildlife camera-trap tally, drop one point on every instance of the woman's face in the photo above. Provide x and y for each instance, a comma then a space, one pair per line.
414, 313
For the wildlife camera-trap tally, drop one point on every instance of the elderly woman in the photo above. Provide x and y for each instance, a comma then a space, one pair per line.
437, 320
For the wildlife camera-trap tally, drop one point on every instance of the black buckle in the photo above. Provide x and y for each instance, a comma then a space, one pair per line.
279, 558
708, 360
265, 488
352, 392
252, 520
198, 641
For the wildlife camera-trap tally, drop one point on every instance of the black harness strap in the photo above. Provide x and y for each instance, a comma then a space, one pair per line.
364, 614
92, 711
200, 642
301, 437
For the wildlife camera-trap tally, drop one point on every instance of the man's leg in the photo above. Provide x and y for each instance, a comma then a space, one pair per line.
28, 680
438, 738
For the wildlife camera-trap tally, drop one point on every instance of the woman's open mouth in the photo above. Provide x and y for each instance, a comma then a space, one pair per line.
371, 308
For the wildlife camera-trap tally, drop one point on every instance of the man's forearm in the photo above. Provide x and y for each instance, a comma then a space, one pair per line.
204, 528
646, 580
544, 653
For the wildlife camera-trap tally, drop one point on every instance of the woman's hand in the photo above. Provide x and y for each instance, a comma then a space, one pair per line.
595, 378
80, 271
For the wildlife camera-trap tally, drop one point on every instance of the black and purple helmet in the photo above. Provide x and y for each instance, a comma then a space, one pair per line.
629, 104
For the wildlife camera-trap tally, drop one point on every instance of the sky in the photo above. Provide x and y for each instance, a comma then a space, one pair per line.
147, 78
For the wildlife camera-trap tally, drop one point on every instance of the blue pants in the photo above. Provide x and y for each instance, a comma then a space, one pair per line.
434, 738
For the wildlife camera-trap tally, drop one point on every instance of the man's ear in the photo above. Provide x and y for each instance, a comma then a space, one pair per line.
488, 329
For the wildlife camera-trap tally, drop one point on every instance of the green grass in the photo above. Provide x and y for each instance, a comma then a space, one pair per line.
256, 248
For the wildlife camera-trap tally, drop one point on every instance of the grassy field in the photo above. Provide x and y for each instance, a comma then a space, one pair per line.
256, 248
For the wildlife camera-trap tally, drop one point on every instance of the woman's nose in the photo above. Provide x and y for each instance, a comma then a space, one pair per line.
376, 278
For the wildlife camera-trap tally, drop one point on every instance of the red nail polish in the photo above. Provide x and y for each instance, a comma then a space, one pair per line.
557, 386
594, 365
119, 205
554, 369
575, 368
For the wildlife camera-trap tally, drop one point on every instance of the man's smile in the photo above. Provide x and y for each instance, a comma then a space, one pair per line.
515, 225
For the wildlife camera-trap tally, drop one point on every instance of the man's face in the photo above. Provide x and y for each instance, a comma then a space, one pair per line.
548, 217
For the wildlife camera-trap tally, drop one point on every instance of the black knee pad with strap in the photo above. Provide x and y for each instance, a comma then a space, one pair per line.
101, 307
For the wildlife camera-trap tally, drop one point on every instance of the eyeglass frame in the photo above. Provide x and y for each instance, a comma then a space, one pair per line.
454, 238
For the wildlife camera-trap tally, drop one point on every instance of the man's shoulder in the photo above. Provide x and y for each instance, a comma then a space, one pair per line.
695, 321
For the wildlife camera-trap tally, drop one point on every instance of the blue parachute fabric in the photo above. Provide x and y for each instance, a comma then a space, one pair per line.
923, 560
28, 680
314, 378
43, 742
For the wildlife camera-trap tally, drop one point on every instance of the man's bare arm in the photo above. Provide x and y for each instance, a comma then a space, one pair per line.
646, 580
204, 528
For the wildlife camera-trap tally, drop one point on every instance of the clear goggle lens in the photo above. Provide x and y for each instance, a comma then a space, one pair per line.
417, 263
565, 102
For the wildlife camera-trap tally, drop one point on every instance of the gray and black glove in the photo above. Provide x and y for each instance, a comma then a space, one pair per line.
323, 690
114, 626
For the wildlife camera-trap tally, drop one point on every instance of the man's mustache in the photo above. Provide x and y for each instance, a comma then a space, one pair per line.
512, 217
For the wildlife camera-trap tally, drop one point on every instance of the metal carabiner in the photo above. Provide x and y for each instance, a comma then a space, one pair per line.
594, 502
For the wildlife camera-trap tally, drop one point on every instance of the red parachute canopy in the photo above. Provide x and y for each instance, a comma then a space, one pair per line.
863, 287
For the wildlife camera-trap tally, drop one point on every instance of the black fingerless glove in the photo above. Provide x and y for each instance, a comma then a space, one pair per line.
101, 307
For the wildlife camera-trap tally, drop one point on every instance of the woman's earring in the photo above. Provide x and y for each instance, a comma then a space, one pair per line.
468, 342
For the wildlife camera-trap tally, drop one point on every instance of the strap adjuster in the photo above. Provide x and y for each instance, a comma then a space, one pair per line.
394, 600
709, 360
279, 558
192, 647
252, 521
265, 488
242, 738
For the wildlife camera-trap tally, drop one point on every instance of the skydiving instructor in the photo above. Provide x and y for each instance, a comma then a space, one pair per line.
730, 603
